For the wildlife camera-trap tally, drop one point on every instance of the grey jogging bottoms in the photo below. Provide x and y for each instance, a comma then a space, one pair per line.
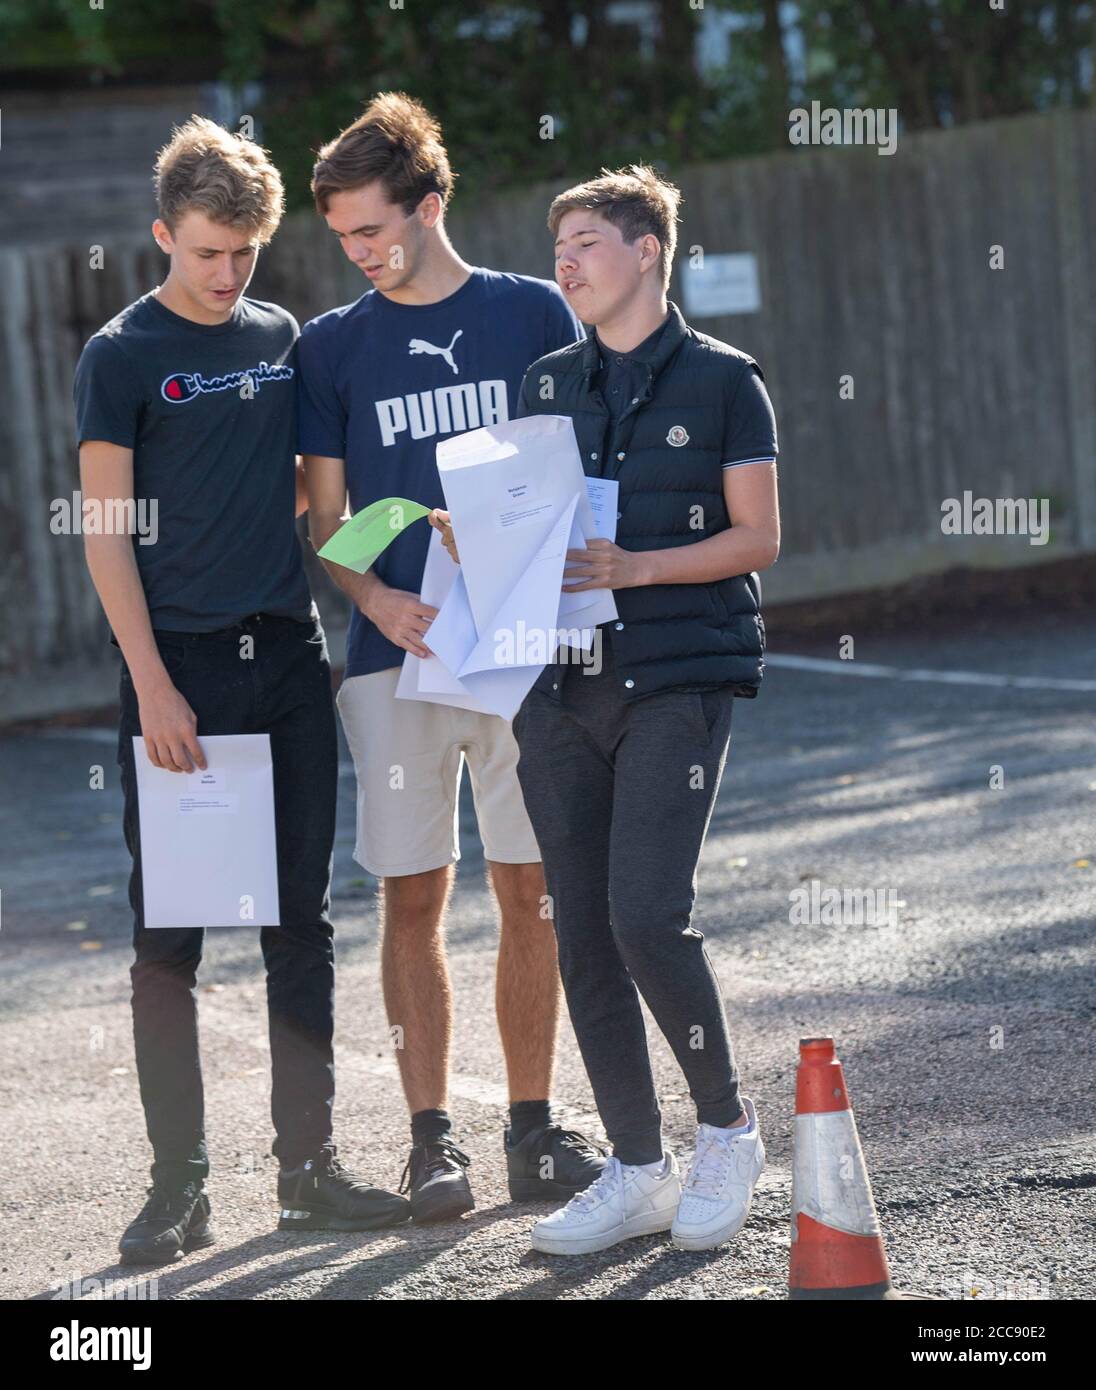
620, 796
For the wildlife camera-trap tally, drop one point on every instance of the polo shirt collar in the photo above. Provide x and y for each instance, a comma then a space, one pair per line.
667, 339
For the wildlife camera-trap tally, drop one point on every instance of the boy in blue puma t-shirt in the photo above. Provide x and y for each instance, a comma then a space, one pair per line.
435, 347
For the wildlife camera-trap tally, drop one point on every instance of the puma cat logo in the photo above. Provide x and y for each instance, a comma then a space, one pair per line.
417, 345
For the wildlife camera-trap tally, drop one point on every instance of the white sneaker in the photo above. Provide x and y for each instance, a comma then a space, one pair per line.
718, 1187
623, 1201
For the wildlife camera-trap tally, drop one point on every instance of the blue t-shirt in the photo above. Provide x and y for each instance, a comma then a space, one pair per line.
209, 411
380, 384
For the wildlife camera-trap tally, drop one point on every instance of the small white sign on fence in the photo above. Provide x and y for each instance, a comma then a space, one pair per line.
727, 284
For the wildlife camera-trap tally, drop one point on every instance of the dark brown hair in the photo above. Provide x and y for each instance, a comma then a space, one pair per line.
637, 200
395, 140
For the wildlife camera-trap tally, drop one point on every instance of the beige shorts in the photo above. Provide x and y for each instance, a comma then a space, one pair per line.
408, 756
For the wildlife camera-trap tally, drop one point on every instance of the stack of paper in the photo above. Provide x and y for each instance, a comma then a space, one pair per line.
518, 500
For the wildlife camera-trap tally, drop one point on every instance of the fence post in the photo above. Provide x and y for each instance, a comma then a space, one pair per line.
1079, 320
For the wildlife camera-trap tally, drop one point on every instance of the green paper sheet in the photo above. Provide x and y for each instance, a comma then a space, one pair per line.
358, 542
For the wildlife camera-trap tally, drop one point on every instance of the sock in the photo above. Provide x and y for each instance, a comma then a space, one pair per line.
736, 1129
656, 1170
427, 1125
653, 1167
527, 1115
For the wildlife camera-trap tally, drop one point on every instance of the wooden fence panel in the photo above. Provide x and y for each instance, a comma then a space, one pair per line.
875, 267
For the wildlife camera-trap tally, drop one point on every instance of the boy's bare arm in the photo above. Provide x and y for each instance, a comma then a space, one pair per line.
168, 724
401, 616
301, 502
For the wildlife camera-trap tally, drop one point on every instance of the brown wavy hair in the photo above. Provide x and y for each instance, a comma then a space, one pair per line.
395, 140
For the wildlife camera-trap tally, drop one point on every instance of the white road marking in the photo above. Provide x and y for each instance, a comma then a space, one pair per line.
787, 661
82, 735
919, 673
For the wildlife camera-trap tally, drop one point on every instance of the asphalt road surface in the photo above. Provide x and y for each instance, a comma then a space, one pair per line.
965, 1026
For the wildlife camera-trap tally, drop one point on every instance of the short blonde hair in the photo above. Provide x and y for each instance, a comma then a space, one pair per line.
231, 179
636, 199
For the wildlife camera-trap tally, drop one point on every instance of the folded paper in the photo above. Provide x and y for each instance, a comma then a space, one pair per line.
518, 499
358, 542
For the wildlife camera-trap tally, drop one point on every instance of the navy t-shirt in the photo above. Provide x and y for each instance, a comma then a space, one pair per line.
217, 456
380, 384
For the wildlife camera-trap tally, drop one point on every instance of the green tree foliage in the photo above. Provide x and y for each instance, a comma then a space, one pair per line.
945, 62
541, 90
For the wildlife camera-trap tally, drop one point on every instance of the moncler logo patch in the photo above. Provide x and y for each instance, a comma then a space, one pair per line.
678, 436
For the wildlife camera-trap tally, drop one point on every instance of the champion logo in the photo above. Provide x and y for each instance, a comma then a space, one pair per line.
417, 345
184, 386
678, 436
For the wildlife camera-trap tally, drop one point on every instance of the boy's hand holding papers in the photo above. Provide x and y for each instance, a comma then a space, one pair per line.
518, 499
603, 565
443, 524
402, 617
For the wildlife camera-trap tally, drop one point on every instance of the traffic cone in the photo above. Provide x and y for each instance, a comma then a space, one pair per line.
837, 1243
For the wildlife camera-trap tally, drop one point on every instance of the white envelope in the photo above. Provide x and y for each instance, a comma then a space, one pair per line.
533, 604
451, 637
208, 845
518, 499
426, 678
506, 486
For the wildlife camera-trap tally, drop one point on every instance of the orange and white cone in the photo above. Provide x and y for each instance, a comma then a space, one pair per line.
837, 1243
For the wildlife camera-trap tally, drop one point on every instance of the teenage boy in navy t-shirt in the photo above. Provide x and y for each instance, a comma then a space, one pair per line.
435, 347
186, 400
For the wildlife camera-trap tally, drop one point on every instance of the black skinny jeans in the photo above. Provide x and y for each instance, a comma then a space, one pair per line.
620, 796
283, 689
